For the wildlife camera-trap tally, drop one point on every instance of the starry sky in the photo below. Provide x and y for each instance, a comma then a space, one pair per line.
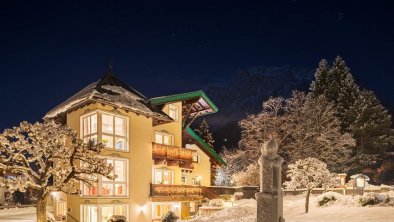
51, 49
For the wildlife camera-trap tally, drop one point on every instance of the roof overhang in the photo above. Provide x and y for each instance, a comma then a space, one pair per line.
194, 104
207, 149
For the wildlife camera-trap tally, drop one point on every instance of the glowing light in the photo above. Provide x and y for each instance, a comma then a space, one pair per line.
142, 209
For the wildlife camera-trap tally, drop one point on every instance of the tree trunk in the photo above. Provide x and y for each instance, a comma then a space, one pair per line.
307, 200
41, 209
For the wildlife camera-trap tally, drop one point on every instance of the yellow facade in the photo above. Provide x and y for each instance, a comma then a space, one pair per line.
140, 163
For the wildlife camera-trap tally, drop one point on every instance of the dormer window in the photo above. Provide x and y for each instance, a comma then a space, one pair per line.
173, 112
112, 131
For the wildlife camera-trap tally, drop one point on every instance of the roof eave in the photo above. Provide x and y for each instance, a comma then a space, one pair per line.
183, 96
209, 150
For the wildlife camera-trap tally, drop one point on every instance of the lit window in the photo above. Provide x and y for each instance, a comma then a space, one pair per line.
102, 212
163, 176
106, 187
90, 128
196, 158
159, 210
183, 180
173, 111
164, 138
113, 132
196, 181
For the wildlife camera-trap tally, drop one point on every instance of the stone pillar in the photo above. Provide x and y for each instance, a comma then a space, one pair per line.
270, 197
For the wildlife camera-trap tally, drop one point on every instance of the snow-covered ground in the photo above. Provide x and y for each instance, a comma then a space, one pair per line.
23, 214
346, 209
27, 214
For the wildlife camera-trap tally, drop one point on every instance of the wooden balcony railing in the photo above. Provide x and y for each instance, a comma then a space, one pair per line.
175, 190
160, 151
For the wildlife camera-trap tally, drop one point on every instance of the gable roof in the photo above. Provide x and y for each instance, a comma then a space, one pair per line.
205, 147
112, 91
194, 104
183, 97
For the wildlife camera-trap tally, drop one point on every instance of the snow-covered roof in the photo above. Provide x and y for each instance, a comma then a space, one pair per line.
360, 175
112, 91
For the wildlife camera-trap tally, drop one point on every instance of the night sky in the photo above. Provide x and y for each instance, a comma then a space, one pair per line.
50, 50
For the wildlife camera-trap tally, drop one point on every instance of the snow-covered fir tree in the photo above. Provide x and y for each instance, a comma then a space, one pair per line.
372, 131
205, 134
308, 173
223, 177
338, 86
47, 157
360, 112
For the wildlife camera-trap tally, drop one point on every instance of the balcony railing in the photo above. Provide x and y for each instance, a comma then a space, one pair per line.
175, 190
161, 151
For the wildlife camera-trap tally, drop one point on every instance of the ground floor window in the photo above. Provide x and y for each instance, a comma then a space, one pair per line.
102, 212
159, 210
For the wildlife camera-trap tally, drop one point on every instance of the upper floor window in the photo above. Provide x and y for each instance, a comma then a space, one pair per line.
112, 131
90, 127
196, 158
173, 112
164, 138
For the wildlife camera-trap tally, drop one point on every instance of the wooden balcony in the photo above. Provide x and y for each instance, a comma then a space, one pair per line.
162, 192
172, 155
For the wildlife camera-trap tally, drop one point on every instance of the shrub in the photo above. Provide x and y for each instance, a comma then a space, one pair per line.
325, 200
170, 217
216, 203
327, 197
364, 201
117, 218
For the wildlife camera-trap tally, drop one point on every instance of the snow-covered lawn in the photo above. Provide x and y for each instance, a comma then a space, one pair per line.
27, 214
344, 210
23, 214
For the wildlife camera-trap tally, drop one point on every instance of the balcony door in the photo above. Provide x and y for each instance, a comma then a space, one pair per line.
163, 176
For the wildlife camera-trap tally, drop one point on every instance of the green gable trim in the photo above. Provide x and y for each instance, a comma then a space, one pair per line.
205, 146
181, 97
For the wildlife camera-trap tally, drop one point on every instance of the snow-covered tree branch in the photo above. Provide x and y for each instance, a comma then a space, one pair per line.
308, 173
47, 157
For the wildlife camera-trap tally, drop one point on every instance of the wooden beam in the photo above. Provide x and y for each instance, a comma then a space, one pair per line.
187, 114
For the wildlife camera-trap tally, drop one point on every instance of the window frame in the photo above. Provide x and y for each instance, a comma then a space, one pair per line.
198, 158
171, 136
100, 182
162, 171
99, 209
174, 108
173, 205
99, 134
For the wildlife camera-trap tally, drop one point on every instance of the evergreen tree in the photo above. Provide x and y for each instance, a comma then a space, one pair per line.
338, 86
360, 112
371, 130
205, 134
319, 86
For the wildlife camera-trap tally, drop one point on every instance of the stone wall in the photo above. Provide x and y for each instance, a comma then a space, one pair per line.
215, 192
